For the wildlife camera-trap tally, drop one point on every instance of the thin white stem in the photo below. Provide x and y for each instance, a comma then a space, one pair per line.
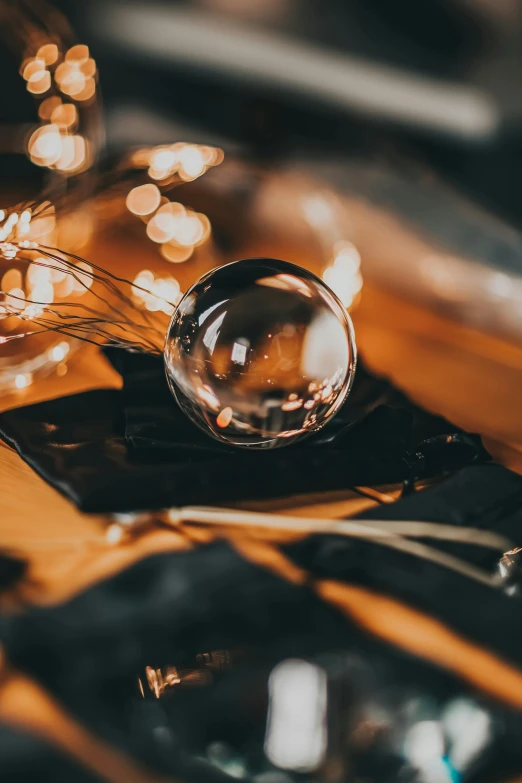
385, 533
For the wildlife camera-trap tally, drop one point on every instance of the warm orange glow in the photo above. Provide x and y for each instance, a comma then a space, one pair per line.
33, 68
11, 279
45, 145
191, 163
48, 53
224, 418
175, 253
73, 154
88, 91
48, 106
37, 274
65, 115
69, 78
82, 279
43, 293
189, 230
161, 228
160, 294
42, 226
143, 200
78, 54
15, 298
39, 83
88, 68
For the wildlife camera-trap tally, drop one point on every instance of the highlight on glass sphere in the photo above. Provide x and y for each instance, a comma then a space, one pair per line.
260, 353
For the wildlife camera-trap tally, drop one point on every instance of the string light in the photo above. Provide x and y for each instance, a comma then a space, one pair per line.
343, 275
156, 294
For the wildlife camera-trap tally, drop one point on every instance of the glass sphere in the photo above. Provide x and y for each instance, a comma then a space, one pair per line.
260, 353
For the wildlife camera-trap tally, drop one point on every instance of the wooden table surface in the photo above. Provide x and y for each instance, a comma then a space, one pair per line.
472, 379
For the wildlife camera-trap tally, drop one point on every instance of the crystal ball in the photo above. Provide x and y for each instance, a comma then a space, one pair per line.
260, 353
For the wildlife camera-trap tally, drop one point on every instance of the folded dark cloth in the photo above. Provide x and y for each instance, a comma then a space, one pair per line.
25, 758
134, 449
168, 608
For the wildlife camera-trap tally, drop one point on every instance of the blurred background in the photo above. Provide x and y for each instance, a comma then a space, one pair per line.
411, 111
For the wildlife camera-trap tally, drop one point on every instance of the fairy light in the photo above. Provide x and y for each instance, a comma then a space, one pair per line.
175, 253
78, 54
82, 277
45, 145
49, 53
34, 67
12, 279
343, 275
59, 352
21, 381
64, 115
191, 163
43, 293
48, 106
224, 418
15, 299
156, 294
143, 200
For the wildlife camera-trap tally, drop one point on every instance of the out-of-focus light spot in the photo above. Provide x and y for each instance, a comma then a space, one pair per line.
43, 293
161, 228
21, 381
65, 287
318, 210
48, 53
224, 418
469, 730
424, 747
175, 253
33, 68
15, 299
345, 285
88, 68
59, 352
347, 257
2, 215
292, 405
191, 163
45, 145
162, 159
143, 200
78, 54
73, 154
69, 78
11, 279
87, 92
189, 231
42, 226
39, 83
61, 370
64, 115
25, 216
296, 733
82, 277
32, 311
48, 106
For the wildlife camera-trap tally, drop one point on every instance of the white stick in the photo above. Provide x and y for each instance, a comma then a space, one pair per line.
386, 533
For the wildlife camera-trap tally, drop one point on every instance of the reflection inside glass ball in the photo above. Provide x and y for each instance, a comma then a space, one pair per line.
259, 353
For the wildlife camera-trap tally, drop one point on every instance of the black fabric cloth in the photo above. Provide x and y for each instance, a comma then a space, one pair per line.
169, 607
12, 570
25, 758
112, 450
